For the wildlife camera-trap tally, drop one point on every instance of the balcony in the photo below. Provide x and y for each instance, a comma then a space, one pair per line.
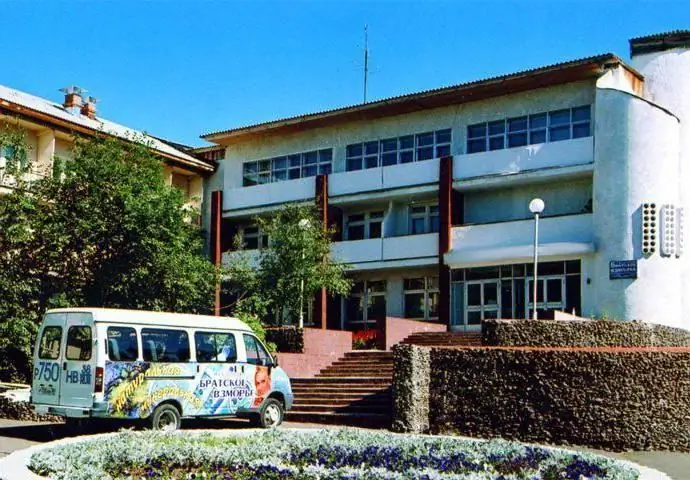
383, 178
375, 253
511, 161
269, 194
512, 242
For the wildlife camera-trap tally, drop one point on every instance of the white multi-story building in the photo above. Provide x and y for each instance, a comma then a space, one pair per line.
430, 192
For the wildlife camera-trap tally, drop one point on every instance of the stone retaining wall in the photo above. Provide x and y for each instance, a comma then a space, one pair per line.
608, 398
581, 333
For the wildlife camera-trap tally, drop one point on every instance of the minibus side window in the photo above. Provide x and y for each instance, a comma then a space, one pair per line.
256, 353
215, 347
49, 348
163, 345
122, 344
78, 343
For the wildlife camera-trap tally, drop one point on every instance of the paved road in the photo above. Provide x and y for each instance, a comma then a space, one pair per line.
16, 435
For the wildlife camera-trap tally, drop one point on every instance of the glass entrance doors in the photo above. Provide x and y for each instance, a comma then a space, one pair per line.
550, 296
482, 302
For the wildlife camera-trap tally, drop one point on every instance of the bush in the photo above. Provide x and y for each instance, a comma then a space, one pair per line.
314, 455
286, 339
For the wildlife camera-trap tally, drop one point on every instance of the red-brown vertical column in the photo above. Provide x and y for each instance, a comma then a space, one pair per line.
216, 224
321, 300
445, 206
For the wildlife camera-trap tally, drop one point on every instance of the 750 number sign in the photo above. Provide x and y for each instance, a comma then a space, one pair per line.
47, 371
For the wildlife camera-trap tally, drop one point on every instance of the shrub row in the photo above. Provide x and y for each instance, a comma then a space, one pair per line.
286, 339
581, 333
613, 399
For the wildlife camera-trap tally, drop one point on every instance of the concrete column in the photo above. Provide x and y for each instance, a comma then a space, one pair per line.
445, 207
45, 151
216, 223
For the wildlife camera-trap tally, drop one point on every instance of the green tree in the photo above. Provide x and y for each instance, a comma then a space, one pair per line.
106, 232
289, 272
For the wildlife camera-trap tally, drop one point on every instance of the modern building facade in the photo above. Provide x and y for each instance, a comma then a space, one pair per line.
49, 129
430, 192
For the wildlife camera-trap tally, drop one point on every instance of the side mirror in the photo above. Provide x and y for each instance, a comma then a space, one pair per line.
275, 359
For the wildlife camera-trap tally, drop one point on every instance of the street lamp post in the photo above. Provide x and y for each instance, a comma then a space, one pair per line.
536, 206
303, 225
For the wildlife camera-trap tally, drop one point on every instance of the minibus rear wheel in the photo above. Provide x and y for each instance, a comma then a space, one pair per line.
271, 414
166, 417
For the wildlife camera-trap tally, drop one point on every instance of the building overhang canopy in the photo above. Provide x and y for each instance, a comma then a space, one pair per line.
478, 257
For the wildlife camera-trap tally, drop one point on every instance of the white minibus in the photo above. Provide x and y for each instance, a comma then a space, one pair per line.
129, 364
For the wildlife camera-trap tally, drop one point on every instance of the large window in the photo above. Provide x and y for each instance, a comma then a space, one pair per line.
78, 343
424, 219
288, 167
49, 348
215, 347
421, 298
392, 151
162, 345
122, 344
360, 226
366, 304
530, 129
254, 238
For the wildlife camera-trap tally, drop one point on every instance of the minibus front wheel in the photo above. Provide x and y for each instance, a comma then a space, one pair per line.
166, 417
270, 415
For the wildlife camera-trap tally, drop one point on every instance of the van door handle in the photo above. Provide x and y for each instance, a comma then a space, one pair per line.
242, 368
64, 365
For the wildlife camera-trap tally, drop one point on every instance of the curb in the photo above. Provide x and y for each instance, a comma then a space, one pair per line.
15, 465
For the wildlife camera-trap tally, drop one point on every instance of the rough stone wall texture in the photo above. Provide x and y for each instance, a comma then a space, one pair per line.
411, 389
581, 333
605, 398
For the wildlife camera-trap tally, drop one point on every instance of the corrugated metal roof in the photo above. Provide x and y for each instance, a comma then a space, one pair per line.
660, 36
602, 58
56, 110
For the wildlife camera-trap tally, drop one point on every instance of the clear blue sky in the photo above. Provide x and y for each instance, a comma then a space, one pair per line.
178, 69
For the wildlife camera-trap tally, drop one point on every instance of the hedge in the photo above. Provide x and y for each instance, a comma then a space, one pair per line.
286, 339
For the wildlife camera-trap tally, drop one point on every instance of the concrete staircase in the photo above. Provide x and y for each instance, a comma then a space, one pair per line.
445, 339
355, 390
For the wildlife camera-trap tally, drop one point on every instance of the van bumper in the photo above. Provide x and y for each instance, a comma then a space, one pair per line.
289, 399
98, 410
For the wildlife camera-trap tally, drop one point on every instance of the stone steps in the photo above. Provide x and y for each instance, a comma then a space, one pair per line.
444, 339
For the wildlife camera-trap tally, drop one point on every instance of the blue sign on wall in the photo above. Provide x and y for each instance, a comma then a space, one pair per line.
620, 269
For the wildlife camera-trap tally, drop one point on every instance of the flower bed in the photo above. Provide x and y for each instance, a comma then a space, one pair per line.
365, 340
317, 454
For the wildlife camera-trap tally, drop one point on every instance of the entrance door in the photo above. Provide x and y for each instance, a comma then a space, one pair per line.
550, 296
482, 302
79, 362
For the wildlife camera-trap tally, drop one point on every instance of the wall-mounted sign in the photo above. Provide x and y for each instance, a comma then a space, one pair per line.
619, 269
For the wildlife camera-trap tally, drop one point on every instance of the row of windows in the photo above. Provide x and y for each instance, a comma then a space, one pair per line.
367, 301
360, 226
289, 167
529, 130
393, 151
158, 345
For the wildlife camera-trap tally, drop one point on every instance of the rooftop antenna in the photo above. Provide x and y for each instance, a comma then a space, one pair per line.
366, 59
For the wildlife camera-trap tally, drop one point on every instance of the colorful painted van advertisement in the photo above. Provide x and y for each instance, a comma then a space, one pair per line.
157, 366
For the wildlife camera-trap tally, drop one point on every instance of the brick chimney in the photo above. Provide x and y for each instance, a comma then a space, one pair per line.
88, 109
73, 98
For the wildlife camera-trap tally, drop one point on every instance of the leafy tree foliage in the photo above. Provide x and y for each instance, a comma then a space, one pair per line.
288, 273
105, 232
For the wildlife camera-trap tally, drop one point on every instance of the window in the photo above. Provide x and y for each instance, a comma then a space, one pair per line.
215, 347
78, 343
256, 353
424, 219
122, 344
15, 158
182, 182
392, 151
161, 345
529, 130
366, 304
254, 238
49, 348
421, 298
361, 226
288, 167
